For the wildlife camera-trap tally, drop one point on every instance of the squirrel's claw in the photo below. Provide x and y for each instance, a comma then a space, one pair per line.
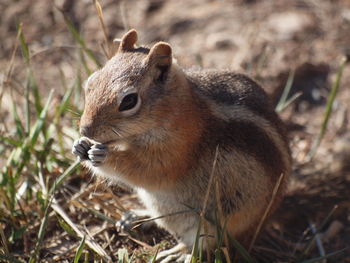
97, 154
183, 258
80, 148
85, 150
178, 253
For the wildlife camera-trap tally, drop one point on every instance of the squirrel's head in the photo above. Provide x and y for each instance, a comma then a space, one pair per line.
129, 95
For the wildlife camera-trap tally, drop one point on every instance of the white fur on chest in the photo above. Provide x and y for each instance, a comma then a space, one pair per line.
110, 174
178, 218
177, 221
158, 203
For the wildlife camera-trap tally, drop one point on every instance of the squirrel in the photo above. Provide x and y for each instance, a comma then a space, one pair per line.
165, 132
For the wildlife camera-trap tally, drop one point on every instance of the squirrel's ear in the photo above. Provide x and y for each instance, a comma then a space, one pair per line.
128, 41
160, 55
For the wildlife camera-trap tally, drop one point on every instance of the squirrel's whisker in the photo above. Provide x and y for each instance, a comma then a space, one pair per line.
116, 132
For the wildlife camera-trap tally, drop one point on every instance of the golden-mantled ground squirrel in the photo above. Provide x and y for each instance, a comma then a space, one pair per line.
158, 129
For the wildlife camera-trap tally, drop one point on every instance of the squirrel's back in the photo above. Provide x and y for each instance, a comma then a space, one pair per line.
241, 115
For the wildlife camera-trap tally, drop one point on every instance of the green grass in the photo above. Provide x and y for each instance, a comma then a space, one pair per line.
328, 109
37, 159
284, 101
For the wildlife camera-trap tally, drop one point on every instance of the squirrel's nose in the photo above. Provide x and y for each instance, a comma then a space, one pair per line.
85, 131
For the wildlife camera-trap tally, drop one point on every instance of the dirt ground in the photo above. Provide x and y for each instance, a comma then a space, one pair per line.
265, 39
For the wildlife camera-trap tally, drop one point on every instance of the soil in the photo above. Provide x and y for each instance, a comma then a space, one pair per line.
265, 39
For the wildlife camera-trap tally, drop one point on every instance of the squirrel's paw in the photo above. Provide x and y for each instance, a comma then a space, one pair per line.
86, 150
179, 253
97, 154
131, 219
127, 222
81, 147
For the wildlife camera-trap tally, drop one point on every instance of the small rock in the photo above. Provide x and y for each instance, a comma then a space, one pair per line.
346, 14
219, 41
333, 230
287, 24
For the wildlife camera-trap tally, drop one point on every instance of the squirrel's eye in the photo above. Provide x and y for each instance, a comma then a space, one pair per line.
128, 102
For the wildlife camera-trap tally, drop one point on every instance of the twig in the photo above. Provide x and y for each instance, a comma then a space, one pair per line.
4, 241
89, 241
226, 254
10, 67
139, 242
267, 210
123, 15
117, 201
142, 221
206, 198
54, 205
210, 182
103, 26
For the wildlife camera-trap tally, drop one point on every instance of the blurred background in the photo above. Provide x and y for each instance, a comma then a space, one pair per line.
299, 46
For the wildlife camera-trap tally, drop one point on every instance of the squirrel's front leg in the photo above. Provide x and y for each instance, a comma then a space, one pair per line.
86, 150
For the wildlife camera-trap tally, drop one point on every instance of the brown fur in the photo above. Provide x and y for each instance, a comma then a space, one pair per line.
128, 42
167, 147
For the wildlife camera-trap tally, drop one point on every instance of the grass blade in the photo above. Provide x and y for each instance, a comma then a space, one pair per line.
31, 83
41, 233
267, 210
282, 103
81, 41
155, 255
89, 240
195, 249
66, 227
66, 173
23, 44
35, 90
324, 222
328, 110
19, 127
218, 256
291, 100
241, 250
27, 108
64, 105
319, 259
40, 122
10, 141
123, 256
79, 250
84, 63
